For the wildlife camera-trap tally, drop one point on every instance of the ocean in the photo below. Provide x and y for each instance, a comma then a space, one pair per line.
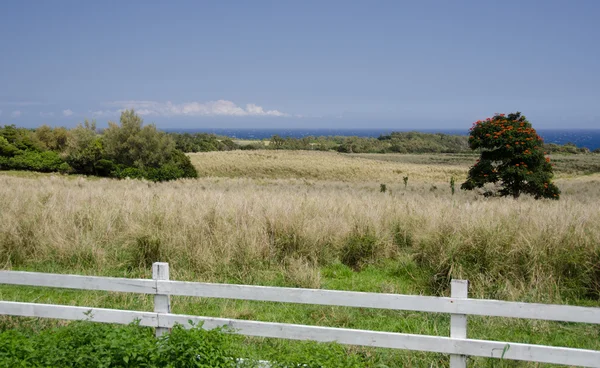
582, 138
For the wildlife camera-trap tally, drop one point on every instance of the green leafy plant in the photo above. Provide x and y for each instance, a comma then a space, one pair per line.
511, 156
382, 188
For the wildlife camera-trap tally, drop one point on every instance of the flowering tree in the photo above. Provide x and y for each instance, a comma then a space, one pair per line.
511, 155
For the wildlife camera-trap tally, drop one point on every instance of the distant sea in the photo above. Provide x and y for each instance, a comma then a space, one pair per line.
582, 138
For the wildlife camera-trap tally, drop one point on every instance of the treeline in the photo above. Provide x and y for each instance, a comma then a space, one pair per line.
399, 142
128, 149
568, 148
396, 142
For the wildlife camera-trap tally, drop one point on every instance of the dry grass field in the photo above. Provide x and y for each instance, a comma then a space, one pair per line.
313, 219
316, 165
242, 218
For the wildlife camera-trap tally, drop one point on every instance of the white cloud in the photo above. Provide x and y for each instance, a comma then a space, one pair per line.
67, 112
46, 114
15, 114
211, 108
106, 113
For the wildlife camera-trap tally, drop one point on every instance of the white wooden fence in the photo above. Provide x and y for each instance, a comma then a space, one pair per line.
458, 305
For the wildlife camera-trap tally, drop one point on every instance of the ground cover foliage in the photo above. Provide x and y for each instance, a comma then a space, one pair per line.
282, 218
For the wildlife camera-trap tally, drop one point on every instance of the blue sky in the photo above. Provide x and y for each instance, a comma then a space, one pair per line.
329, 64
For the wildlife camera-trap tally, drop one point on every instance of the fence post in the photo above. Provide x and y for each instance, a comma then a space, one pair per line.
162, 302
458, 322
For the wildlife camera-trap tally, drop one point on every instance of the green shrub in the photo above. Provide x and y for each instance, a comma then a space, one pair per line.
358, 249
105, 167
132, 144
48, 161
7, 149
84, 148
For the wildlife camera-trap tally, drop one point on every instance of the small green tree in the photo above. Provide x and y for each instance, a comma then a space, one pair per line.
84, 148
135, 145
512, 156
143, 151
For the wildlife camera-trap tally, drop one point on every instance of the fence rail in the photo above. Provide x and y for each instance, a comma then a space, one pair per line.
458, 346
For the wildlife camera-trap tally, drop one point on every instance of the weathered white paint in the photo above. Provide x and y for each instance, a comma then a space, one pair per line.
78, 282
162, 302
420, 303
458, 322
149, 319
445, 345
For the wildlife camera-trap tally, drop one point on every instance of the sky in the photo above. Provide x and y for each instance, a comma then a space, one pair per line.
300, 64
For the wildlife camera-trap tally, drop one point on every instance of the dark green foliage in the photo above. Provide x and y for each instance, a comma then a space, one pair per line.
7, 149
511, 156
195, 348
105, 167
92, 345
568, 148
178, 166
382, 188
201, 142
21, 138
85, 344
416, 142
34, 161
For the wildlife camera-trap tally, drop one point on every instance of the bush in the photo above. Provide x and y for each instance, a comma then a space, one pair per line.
105, 167
134, 145
84, 148
144, 152
48, 161
7, 149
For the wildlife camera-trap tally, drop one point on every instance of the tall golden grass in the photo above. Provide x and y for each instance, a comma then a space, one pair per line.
237, 227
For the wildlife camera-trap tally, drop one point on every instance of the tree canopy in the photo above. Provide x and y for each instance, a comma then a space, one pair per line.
512, 157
